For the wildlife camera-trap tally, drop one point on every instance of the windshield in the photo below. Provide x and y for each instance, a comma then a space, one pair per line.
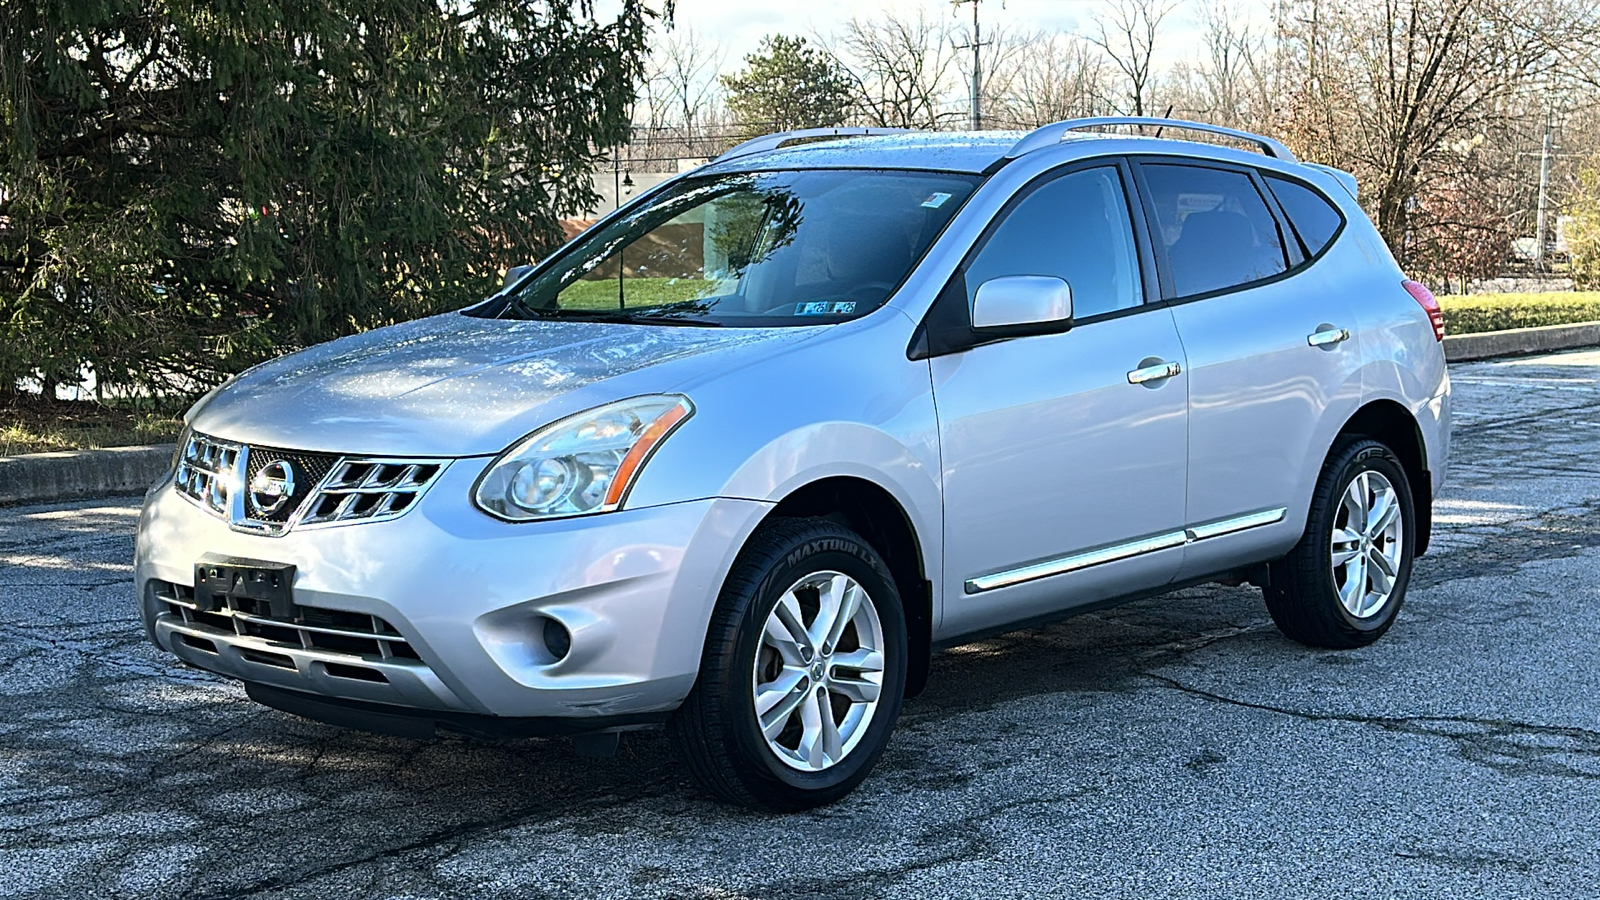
758, 248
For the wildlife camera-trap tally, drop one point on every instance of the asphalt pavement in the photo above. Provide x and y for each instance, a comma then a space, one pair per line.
1176, 747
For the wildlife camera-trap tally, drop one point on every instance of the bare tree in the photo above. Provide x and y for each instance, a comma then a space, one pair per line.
1127, 33
1045, 77
1388, 88
683, 75
680, 100
904, 69
1230, 65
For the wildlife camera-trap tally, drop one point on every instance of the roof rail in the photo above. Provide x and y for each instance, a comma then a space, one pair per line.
1050, 135
774, 141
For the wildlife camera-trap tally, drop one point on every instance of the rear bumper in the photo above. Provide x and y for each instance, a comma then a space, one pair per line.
458, 602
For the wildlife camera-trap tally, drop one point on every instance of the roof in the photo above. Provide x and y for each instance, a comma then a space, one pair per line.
946, 151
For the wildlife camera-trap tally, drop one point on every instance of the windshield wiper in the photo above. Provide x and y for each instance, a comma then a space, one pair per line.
646, 318
619, 317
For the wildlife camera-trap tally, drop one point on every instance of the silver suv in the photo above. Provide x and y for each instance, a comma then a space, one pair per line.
738, 458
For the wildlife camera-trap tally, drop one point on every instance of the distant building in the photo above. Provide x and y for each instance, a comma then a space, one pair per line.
607, 181
1563, 223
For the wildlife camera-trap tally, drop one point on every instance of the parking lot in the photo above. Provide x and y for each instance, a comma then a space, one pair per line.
1175, 747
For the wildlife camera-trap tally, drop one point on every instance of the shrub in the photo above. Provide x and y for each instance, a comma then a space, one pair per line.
1498, 312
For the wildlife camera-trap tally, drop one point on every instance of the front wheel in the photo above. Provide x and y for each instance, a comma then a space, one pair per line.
803, 671
1343, 584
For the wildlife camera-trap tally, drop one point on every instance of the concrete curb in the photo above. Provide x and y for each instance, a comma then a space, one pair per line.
1520, 341
47, 477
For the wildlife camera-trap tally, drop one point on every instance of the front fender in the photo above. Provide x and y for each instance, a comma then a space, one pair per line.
847, 404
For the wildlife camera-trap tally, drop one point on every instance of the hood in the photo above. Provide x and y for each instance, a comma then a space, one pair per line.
455, 385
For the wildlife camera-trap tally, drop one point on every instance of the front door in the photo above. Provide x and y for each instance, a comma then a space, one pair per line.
1063, 454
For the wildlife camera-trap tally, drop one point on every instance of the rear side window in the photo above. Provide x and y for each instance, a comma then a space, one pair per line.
1312, 216
1215, 226
1076, 228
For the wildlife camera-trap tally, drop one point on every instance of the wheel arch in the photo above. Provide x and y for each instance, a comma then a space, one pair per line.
1395, 427
871, 511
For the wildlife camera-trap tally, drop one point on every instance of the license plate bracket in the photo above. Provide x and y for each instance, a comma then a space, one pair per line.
252, 585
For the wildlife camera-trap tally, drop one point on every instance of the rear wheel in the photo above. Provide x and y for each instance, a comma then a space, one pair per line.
1343, 584
803, 671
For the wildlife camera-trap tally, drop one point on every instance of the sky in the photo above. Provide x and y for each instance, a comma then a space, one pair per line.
737, 26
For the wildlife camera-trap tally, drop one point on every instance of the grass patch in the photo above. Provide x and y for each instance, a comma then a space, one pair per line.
1477, 313
602, 293
31, 425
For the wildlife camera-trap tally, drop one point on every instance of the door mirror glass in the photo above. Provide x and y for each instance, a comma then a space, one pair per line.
1021, 300
514, 275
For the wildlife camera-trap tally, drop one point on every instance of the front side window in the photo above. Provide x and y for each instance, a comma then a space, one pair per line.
1217, 230
1076, 228
761, 248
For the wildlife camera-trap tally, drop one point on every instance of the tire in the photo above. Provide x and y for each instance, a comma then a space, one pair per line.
803, 564
1323, 603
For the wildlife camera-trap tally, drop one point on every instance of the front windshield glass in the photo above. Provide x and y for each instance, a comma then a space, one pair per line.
758, 248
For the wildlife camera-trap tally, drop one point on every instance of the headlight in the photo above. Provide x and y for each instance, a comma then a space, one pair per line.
177, 452
582, 464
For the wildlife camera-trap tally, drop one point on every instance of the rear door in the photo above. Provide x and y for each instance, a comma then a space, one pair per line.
1269, 350
1063, 479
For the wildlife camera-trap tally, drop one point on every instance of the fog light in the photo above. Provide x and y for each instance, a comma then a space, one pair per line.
557, 639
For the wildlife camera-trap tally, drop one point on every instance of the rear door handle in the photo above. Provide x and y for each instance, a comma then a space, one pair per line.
1327, 336
1154, 373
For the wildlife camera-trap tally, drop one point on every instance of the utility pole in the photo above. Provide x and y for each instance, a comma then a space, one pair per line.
977, 46
1544, 192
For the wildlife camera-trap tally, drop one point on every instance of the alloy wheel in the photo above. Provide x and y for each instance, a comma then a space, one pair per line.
818, 671
1366, 544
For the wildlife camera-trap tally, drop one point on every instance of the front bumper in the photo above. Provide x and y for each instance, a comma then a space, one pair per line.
460, 601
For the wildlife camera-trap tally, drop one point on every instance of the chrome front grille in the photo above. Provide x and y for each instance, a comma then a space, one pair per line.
311, 469
207, 473
369, 489
267, 490
360, 636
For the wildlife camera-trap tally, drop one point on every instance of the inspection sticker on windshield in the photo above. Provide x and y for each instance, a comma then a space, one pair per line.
825, 308
935, 200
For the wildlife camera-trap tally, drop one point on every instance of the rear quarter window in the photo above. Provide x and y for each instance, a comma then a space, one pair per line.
1314, 217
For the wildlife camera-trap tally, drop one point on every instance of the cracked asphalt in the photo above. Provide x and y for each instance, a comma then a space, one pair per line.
1174, 747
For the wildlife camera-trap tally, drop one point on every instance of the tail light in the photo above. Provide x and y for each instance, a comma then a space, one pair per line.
1425, 297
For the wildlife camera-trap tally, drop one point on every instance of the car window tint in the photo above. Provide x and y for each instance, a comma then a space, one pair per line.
1217, 230
1314, 218
1076, 228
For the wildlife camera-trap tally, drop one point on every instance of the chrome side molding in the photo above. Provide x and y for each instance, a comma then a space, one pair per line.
1064, 564
1238, 523
1061, 565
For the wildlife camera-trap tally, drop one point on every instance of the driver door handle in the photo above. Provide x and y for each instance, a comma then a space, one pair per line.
1154, 373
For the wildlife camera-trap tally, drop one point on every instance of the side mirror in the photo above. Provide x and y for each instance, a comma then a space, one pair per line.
1022, 304
514, 275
